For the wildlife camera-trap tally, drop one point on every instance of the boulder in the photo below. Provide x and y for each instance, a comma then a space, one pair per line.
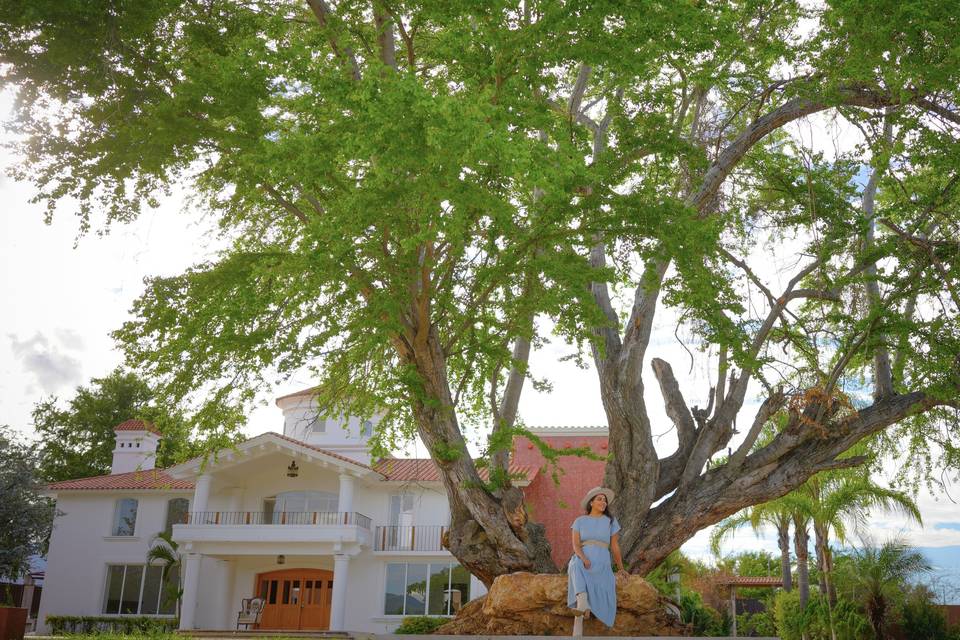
536, 604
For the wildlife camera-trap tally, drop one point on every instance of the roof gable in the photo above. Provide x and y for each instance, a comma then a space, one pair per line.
268, 443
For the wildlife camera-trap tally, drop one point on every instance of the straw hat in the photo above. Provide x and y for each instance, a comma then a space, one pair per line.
595, 492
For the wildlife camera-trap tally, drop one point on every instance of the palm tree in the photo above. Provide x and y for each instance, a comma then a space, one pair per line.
165, 551
776, 513
879, 571
847, 496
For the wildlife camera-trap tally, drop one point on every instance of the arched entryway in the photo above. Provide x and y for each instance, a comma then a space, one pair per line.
295, 599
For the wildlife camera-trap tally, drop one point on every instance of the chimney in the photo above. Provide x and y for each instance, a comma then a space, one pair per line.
136, 446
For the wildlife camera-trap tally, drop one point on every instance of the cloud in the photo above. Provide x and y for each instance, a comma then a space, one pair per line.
52, 368
70, 339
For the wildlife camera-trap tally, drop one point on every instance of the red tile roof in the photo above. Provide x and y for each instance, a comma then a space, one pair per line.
751, 581
425, 470
137, 425
134, 480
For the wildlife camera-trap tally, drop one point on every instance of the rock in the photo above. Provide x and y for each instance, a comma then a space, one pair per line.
536, 604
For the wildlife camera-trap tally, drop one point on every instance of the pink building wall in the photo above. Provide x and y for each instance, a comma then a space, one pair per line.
557, 506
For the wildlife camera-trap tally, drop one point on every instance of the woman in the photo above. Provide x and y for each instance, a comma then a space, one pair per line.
591, 586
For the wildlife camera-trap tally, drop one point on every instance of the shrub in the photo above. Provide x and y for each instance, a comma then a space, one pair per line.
420, 625
922, 620
756, 624
792, 622
106, 625
705, 620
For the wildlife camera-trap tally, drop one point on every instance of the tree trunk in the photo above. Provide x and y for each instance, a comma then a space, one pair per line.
490, 536
820, 544
783, 541
801, 539
831, 586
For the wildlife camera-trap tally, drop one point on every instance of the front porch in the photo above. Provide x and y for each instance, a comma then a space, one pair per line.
300, 592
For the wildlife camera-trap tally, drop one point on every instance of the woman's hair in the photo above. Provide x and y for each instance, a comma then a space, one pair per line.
606, 511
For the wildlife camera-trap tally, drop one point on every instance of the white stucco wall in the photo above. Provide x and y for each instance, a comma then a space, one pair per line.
81, 547
341, 434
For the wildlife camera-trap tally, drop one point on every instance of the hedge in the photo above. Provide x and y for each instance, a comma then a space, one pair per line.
126, 625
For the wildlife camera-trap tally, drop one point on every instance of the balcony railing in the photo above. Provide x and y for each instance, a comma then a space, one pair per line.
277, 518
409, 538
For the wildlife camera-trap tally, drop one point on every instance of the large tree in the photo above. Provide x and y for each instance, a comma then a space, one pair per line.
77, 439
413, 193
25, 514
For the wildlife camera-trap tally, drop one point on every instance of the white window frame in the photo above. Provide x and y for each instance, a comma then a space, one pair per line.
426, 603
143, 582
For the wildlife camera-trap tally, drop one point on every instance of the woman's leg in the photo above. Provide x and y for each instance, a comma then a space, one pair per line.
583, 607
583, 604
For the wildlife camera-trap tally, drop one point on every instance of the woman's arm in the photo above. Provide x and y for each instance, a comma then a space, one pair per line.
615, 547
578, 549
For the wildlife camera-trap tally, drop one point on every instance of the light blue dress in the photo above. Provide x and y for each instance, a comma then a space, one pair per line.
598, 581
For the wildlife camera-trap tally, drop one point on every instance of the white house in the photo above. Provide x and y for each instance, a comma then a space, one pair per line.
302, 519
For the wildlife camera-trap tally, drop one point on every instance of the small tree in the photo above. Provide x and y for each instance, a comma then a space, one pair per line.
25, 515
878, 571
165, 551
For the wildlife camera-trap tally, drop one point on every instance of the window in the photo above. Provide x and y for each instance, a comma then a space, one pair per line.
436, 589
299, 507
400, 533
366, 429
124, 517
318, 425
136, 589
177, 510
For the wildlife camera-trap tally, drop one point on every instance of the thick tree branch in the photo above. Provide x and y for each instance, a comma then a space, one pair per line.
324, 15
784, 464
385, 38
792, 110
676, 406
883, 375
296, 211
771, 404
579, 88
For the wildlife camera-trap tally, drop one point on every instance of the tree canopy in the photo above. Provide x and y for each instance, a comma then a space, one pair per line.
25, 515
77, 441
415, 193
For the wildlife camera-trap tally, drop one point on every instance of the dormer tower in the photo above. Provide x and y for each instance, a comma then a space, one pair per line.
345, 435
136, 446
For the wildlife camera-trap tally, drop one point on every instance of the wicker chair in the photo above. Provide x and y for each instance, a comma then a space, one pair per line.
249, 614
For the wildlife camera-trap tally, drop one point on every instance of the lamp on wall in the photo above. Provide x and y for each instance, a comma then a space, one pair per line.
293, 470
281, 559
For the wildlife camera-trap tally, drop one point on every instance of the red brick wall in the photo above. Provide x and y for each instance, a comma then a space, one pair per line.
557, 506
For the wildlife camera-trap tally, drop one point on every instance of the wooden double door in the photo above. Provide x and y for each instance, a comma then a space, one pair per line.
296, 599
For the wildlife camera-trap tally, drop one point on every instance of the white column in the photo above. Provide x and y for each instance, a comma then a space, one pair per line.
230, 606
201, 493
338, 606
191, 590
345, 501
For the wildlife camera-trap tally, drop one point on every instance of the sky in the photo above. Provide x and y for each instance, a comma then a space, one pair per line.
61, 295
